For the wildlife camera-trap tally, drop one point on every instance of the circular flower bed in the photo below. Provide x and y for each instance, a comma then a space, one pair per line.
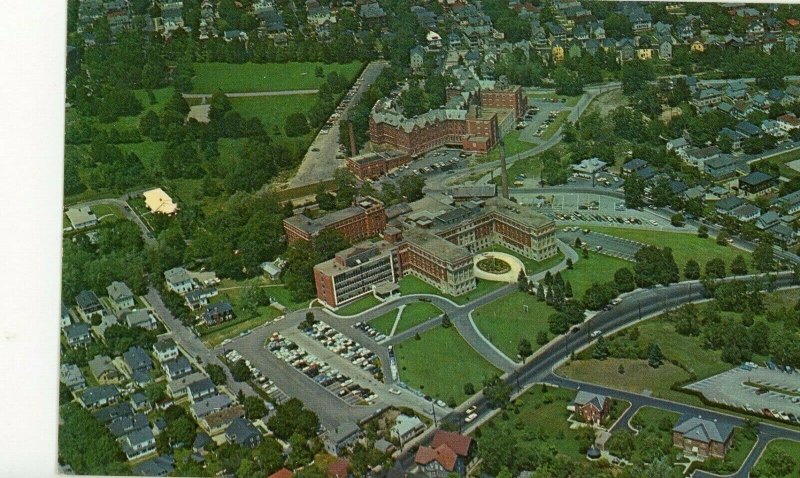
494, 265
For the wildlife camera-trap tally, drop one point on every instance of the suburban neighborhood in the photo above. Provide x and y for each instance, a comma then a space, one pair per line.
388, 238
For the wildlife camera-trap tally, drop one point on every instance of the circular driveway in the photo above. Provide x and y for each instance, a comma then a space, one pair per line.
510, 276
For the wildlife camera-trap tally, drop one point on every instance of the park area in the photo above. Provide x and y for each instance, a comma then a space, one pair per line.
429, 364
253, 77
598, 268
410, 316
505, 322
684, 246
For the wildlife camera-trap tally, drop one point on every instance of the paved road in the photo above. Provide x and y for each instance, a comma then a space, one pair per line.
320, 165
252, 94
127, 212
195, 350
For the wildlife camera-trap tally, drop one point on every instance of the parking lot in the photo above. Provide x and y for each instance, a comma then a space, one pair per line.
371, 333
541, 113
603, 243
758, 390
261, 380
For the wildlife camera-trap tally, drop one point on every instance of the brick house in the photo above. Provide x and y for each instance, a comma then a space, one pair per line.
702, 437
591, 407
449, 452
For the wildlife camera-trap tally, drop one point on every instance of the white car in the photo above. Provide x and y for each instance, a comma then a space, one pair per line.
394, 391
471, 410
596, 333
470, 417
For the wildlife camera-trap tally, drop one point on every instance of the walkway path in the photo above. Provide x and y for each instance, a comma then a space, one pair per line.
205, 96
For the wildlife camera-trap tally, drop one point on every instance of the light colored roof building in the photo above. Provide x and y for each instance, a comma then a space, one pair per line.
81, 217
159, 201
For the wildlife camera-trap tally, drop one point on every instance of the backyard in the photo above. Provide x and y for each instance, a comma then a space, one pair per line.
252, 77
430, 364
504, 322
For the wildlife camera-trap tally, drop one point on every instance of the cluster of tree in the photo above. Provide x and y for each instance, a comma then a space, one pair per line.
417, 99
554, 290
655, 266
506, 20
106, 168
292, 418
520, 69
87, 445
554, 169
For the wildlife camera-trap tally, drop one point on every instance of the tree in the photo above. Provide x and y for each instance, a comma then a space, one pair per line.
498, 449
254, 408
540, 292
469, 389
301, 453
496, 392
677, 220
87, 445
296, 124
600, 351
569, 260
240, 371
216, 374
624, 279
722, 237
691, 270
292, 417
715, 268
568, 290
702, 231
525, 349
636, 75
738, 266
764, 257
542, 337
634, 191
654, 356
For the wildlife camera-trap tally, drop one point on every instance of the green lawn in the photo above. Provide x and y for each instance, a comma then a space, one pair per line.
214, 336
252, 77
684, 246
541, 417
781, 160
284, 297
360, 305
101, 210
504, 321
129, 122
413, 314
513, 144
273, 110
772, 456
597, 268
413, 285
441, 363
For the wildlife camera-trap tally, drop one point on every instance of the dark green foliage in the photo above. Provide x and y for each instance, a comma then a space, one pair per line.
292, 418
87, 445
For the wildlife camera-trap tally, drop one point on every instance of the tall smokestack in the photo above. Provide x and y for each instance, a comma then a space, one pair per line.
353, 150
503, 171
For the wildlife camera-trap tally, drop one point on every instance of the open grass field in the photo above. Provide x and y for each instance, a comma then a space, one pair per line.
385, 322
790, 448
252, 77
101, 210
273, 110
284, 297
684, 246
214, 336
504, 322
412, 315
360, 305
412, 285
129, 122
543, 417
430, 364
597, 268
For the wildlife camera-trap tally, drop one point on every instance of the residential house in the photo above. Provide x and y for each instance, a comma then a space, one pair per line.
66, 319
557, 52
138, 364
665, 50
449, 452
788, 122
772, 128
178, 280
122, 425
372, 14
201, 441
384, 446
588, 168
199, 297
790, 203
166, 349
749, 130
100, 396
103, 370
626, 49
81, 218
727, 205
678, 145
218, 313
88, 303
698, 156
107, 321
768, 220
706, 97
177, 368
341, 438
78, 335
721, 167
417, 58
180, 387
407, 427
209, 404
218, 420
591, 407
746, 212
783, 234
121, 296
736, 90
140, 402
138, 443
702, 437
592, 46
157, 466
72, 377
757, 183
201, 389
141, 318
273, 269
735, 138
110, 413
243, 433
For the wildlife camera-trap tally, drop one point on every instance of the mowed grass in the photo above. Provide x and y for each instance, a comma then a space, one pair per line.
514, 145
252, 77
440, 363
101, 210
531, 266
272, 110
360, 305
412, 315
684, 246
789, 447
553, 127
781, 161
598, 268
161, 95
410, 285
543, 417
385, 322
504, 322
214, 336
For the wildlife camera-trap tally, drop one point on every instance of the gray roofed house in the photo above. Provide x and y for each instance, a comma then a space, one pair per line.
141, 318
746, 212
72, 377
341, 437
178, 280
634, 165
103, 369
81, 217
177, 368
768, 219
179, 387
88, 303
720, 167
99, 396
583, 397
218, 313
140, 402
201, 389
127, 423
121, 295
66, 318
138, 364
789, 202
725, 206
78, 335
703, 437
749, 129
372, 11
208, 405
138, 443
243, 433
406, 427
201, 440
110, 413
677, 144
107, 321
158, 466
